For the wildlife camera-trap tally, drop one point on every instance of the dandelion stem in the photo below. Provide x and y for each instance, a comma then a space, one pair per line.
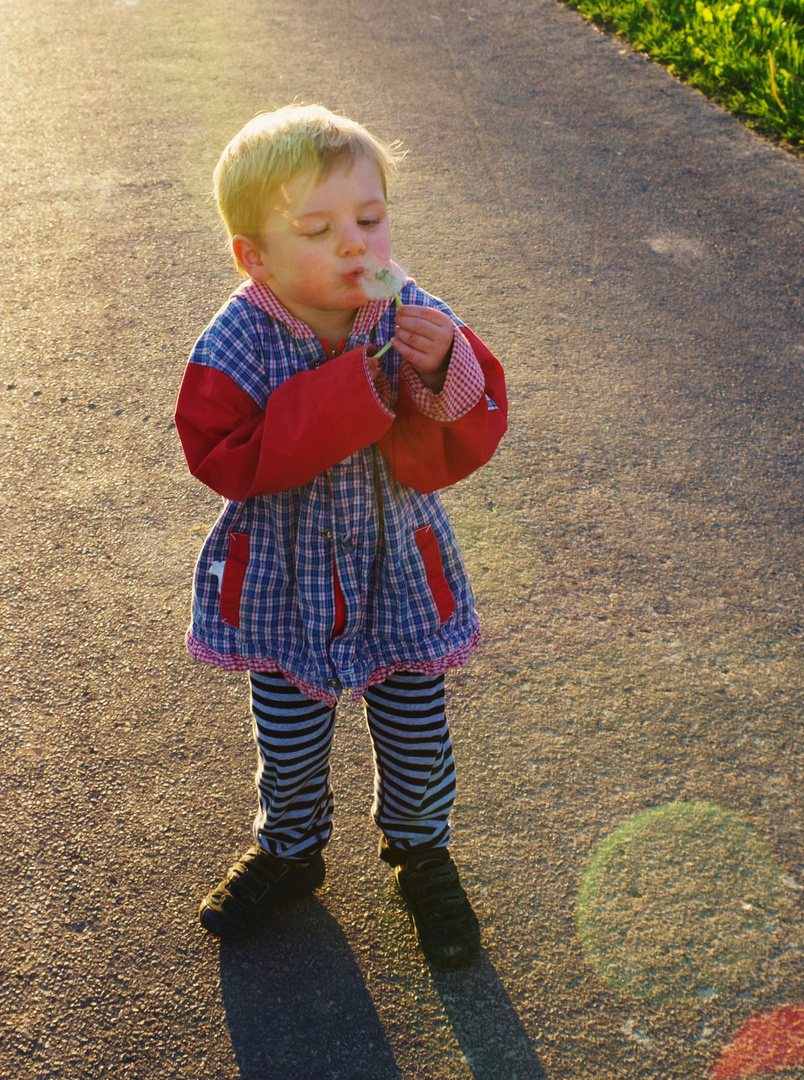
388, 344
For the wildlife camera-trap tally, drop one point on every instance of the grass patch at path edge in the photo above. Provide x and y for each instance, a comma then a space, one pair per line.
747, 55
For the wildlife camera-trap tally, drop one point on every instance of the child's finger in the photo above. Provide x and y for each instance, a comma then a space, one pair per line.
425, 317
414, 337
410, 351
418, 326
423, 359
404, 348
373, 367
429, 315
425, 328
426, 338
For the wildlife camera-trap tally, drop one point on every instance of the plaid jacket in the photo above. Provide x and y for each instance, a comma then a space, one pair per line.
333, 560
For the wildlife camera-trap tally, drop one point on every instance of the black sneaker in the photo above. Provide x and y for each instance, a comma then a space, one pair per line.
446, 927
256, 885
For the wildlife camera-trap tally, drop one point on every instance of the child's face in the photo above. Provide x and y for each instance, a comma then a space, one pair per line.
322, 239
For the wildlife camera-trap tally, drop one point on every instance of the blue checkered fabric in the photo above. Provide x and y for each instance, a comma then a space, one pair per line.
287, 607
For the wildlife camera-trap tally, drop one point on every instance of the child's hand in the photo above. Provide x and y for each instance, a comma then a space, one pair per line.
424, 338
374, 367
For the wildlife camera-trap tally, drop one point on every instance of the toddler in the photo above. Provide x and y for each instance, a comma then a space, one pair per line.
332, 566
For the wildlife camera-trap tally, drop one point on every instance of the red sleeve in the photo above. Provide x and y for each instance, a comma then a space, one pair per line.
310, 423
429, 454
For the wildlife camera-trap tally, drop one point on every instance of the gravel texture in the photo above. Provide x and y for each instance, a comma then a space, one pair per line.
634, 255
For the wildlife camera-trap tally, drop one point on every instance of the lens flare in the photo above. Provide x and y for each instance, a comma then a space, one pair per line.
678, 903
766, 1043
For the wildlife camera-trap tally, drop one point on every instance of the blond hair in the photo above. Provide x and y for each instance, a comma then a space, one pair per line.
274, 147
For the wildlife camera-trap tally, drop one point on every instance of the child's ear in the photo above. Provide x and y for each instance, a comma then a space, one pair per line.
249, 256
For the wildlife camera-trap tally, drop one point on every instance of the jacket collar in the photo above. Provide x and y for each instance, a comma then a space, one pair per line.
261, 296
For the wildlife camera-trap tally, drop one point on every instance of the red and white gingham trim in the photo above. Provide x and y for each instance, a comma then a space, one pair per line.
456, 659
425, 667
464, 384
463, 387
262, 297
369, 315
381, 389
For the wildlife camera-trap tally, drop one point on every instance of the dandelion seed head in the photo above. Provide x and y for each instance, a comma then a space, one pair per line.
382, 282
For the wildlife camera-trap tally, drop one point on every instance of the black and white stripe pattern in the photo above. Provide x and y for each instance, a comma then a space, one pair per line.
293, 735
414, 771
414, 783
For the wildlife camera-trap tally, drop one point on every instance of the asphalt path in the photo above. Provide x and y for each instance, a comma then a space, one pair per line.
629, 820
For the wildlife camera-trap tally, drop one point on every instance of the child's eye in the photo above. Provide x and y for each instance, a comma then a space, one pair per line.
366, 223
318, 232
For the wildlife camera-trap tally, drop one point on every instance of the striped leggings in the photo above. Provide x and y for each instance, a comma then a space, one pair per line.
414, 772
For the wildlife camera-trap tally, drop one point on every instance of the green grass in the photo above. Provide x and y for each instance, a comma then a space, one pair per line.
747, 55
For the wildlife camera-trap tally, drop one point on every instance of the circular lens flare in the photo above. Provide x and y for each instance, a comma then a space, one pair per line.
678, 903
766, 1043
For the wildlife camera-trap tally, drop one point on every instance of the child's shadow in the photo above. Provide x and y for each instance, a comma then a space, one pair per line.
297, 1006
298, 1009
486, 1024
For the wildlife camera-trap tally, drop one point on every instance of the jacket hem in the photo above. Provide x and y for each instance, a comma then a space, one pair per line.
456, 659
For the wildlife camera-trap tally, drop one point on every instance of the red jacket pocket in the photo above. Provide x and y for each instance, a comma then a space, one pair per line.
427, 543
340, 602
234, 573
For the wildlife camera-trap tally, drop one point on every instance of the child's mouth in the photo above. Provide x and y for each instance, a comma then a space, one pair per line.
354, 276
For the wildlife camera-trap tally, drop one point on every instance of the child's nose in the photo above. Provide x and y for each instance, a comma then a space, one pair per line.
352, 242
